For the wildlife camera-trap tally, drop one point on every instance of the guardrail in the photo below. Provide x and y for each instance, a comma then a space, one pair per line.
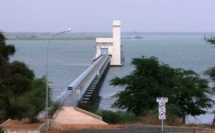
70, 91
80, 78
86, 86
67, 92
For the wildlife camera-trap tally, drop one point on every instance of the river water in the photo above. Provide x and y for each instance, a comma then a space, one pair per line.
69, 58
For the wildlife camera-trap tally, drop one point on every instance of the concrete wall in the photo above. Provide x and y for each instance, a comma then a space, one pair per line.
104, 43
112, 44
116, 56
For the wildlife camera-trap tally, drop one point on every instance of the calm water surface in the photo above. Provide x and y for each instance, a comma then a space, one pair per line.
69, 58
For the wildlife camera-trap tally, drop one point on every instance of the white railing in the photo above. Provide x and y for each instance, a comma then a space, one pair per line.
68, 93
80, 78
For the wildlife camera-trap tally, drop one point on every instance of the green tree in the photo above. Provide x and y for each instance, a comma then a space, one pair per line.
211, 73
188, 93
31, 103
15, 84
191, 94
21, 94
5, 52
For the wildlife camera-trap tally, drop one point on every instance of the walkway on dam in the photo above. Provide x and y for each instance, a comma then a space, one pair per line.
71, 115
80, 86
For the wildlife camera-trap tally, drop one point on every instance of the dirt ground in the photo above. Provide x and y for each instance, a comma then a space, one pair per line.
134, 128
18, 125
89, 126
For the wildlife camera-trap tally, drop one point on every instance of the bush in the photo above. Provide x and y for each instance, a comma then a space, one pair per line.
151, 118
128, 118
1, 131
110, 116
116, 117
55, 106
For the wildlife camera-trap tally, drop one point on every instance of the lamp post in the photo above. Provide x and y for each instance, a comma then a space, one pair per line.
47, 74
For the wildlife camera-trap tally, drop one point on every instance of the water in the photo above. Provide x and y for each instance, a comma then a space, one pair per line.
188, 52
68, 59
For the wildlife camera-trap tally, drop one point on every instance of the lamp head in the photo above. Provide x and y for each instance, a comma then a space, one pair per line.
69, 29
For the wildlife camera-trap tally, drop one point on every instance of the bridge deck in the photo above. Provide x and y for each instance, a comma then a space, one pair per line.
70, 115
82, 83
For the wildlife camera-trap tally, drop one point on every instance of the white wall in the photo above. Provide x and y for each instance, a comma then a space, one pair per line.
116, 58
113, 44
104, 43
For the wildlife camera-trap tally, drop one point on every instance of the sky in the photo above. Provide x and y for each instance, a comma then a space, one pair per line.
97, 15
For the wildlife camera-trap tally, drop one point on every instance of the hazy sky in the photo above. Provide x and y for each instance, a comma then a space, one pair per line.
97, 15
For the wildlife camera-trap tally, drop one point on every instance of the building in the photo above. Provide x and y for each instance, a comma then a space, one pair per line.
111, 46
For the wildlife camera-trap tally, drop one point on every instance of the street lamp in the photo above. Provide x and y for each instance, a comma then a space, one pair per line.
47, 74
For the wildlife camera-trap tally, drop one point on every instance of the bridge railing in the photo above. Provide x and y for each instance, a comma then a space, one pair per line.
96, 73
70, 94
80, 78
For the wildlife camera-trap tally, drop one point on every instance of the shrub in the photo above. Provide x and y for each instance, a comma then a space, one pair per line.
116, 117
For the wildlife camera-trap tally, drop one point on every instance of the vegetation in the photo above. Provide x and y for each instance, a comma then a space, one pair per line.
110, 117
21, 94
211, 73
117, 117
1, 131
55, 106
47, 36
210, 39
188, 93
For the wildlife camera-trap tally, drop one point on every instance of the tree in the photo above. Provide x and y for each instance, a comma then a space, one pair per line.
211, 73
30, 103
15, 84
5, 52
21, 94
188, 93
191, 94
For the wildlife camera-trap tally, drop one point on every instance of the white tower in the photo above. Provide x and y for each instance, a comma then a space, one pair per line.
116, 55
111, 46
